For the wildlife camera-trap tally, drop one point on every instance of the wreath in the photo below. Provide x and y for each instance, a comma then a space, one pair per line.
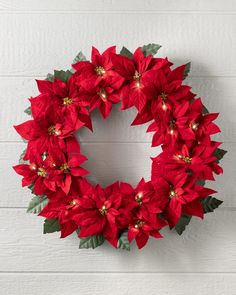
181, 124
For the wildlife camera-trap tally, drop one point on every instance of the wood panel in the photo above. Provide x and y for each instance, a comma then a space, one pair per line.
116, 284
206, 246
50, 41
124, 5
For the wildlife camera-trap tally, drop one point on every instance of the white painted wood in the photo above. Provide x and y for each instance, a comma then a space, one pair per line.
117, 5
206, 246
218, 94
43, 42
40, 35
116, 284
108, 162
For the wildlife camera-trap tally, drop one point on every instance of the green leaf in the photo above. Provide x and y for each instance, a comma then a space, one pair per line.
91, 242
50, 77
187, 70
28, 111
219, 153
205, 110
51, 226
150, 49
62, 75
79, 57
125, 52
200, 182
21, 160
182, 223
210, 204
31, 187
123, 242
37, 204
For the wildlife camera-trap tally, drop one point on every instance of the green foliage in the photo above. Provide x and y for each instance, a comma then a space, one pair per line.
28, 111
219, 153
125, 52
51, 226
21, 160
123, 242
200, 182
91, 242
187, 70
37, 204
50, 77
79, 57
210, 204
62, 75
150, 49
182, 223
205, 110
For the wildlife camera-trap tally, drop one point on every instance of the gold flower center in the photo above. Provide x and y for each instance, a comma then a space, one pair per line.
100, 71
65, 168
139, 224
172, 194
53, 131
164, 96
185, 159
67, 101
103, 210
41, 172
136, 76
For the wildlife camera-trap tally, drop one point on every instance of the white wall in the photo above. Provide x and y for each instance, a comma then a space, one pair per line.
37, 36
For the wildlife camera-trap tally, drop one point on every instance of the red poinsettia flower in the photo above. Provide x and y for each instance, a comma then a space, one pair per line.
198, 159
102, 96
98, 213
166, 90
179, 191
168, 130
65, 206
134, 71
100, 69
36, 173
64, 97
48, 132
200, 126
142, 200
64, 167
141, 229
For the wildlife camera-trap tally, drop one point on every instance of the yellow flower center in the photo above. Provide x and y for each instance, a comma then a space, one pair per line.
185, 159
65, 168
53, 131
139, 224
100, 71
41, 172
67, 101
103, 210
172, 194
136, 76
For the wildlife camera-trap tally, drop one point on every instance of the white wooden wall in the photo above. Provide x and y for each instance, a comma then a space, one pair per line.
37, 36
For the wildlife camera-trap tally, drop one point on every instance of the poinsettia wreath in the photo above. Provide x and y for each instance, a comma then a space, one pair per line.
119, 213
